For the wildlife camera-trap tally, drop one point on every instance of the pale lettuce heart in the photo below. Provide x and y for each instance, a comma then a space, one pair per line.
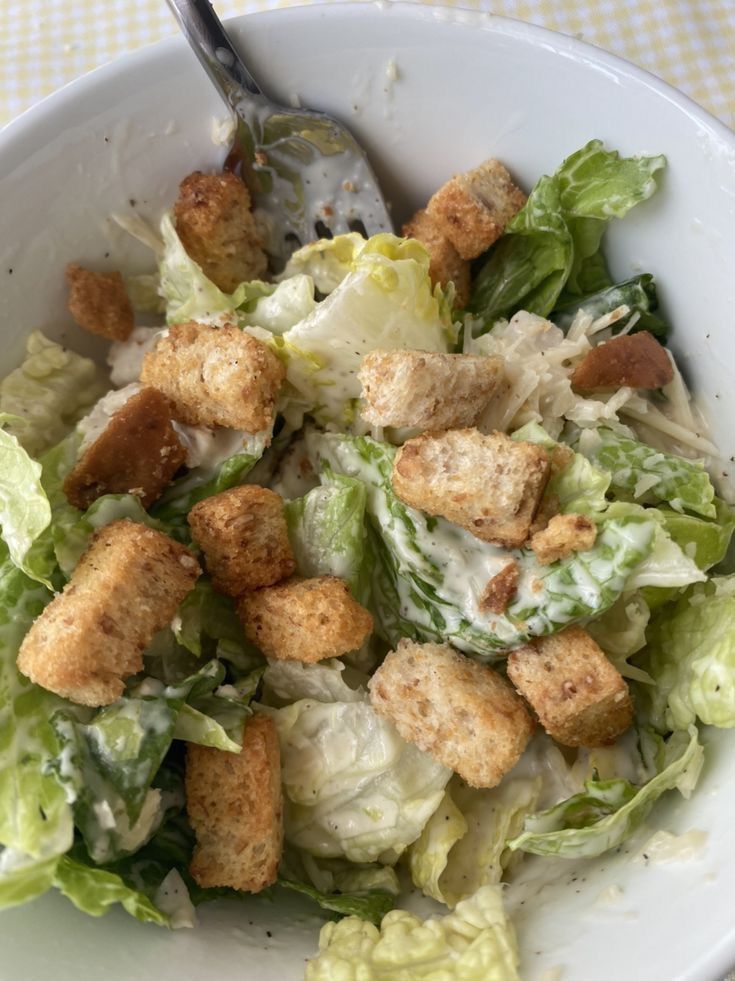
475, 942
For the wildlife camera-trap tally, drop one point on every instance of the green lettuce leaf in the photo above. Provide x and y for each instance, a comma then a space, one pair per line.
646, 475
290, 681
607, 812
638, 294
353, 787
386, 301
429, 575
552, 246
328, 533
94, 891
23, 878
326, 261
24, 508
475, 942
345, 888
207, 625
691, 657
48, 394
706, 542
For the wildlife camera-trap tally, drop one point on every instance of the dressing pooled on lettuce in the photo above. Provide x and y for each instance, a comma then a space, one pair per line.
386, 571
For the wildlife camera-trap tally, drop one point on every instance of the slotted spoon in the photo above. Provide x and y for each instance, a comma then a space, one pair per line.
308, 176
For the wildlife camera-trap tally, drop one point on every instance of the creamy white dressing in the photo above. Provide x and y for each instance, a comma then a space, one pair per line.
208, 448
94, 424
125, 358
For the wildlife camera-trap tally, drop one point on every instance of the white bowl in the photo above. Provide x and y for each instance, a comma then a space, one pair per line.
469, 86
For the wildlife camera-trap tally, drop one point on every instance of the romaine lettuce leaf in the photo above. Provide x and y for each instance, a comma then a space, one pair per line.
706, 542
646, 475
207, 625
354, 788
385, 301
48, 393
607, 812
475, 943
552, 244
691, 657
24, 508
327, 532
94, 890
638, 294
463, 846
290, 681
429, 575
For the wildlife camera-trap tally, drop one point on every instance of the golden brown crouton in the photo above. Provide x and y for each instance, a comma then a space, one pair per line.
215, 376
244, 538
235, 807
127, 585
98, 302
500, 590
445, 265
462, 712
305, 619
490, 485
635, 360
564, 534
425, 389
217, 229
137, 452
579, 697
472, 209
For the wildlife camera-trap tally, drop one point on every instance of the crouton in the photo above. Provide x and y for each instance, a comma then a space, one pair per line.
500, 590
244, 537
445, 265
126, 586
460, 711
579, 697
472, 209
633, 360
425, 389
490, 485
217, 229
98, 302
215, 376
564, 534
137, 452
305, 619
235, 806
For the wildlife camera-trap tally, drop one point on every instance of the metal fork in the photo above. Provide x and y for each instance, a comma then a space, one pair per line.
308, 176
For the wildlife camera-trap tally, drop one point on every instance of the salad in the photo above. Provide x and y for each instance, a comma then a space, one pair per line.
380, 575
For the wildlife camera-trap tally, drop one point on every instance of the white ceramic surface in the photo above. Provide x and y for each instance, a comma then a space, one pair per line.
469, 86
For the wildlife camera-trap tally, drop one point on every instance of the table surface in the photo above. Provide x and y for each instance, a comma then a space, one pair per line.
689, 43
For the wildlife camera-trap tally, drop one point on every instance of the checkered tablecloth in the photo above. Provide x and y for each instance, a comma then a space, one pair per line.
689, 43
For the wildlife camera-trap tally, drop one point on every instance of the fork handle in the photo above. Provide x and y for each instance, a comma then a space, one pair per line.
213, 47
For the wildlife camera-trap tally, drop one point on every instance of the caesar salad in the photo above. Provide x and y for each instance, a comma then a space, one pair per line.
382, 573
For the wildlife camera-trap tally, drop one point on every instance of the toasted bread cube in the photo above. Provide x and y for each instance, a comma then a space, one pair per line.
445, 265
463, 713
564, 534
137, 452
216, 226
235, 806
215, 376
633, 360
99, 303
490, 485
244, 537
500, 590
472, 209
579, 697
425, 389
305, 619
127, 586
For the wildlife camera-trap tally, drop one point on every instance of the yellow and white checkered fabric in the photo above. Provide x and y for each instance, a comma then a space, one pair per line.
689, 43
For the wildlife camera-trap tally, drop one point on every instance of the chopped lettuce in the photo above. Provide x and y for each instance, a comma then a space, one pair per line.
327, 532
354, 788
24, 508
290, 681
94, 890
463, 846
429, 575
706, 542
646, 475
475, 942
344, 888
691, 657
208, 625
638, 294
621, 633
550, 249
48, 393
386, 300
609, 811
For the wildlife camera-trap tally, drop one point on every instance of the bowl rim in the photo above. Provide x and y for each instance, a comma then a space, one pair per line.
719, 959
564, 45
